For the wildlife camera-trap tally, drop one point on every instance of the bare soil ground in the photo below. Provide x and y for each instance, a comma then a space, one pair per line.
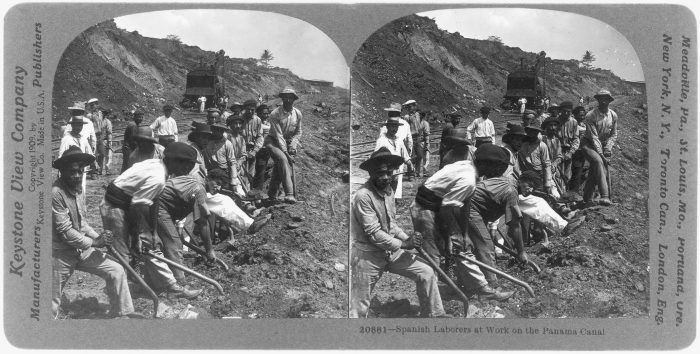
599, 271
295, 266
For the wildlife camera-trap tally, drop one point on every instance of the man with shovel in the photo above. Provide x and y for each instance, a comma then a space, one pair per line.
379, 243
129, 209
74, 242
597, 144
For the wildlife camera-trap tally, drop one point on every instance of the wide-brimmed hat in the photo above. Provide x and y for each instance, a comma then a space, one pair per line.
532, 130
93, 100
566, 104
393, 121
214, 110
382, 157
513, 131
604, 93
289, 91
409, 102
168, 107
236, 104
548, 121
144, 133
71, 155
250, 102
220, 126
491, 153
394, 107
199, 128
76, 109
77, 120
529, 111
180, 151
457, 136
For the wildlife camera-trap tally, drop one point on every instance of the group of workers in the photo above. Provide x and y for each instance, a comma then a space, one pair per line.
523, 183
163, 183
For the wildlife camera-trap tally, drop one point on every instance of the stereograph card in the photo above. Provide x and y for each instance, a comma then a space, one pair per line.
623, 280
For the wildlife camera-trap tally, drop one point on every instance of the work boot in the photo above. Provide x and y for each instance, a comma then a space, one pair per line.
572, 226
488, 293
180, 291
604, 202
289, 199
258, 223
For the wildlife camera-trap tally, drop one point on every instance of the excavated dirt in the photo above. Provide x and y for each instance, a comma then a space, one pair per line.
295, 266
599, 271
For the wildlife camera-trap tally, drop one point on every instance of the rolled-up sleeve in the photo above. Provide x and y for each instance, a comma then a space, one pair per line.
367, 216
149, 190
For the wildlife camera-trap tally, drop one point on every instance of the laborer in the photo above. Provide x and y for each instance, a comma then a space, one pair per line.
578, 165
421, 146
412, 117
482, 128
263, 155
95, 116
534, 155
165, 127
551, 127
601, 134
129, 209
75, 137
404, 133
182, 195
569, 137
282, 142
378, 242
522, 101
460, 148
454, 118
147, 147
107, 115
74, 242
392, 142
529, 118
202, 102
213, 116
253, 136
198, 139
129, 144
219, 153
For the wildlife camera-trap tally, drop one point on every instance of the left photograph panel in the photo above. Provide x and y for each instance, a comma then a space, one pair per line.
200, 169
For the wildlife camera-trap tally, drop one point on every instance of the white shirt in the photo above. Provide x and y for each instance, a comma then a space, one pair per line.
481, 128
88, 132
455, 183
404, 134
143, 181
70, 139
395, 146
164, 126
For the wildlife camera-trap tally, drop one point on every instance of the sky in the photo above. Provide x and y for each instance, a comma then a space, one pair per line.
561, 35
295, 44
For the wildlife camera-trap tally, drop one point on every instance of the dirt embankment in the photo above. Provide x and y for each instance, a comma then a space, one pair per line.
599, 271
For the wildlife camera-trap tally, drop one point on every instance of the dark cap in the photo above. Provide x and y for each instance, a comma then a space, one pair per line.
250, 102
485, 109
566, 105
491, 153
180, 151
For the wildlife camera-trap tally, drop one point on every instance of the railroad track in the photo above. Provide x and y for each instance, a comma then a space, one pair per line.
183, 120
362, 150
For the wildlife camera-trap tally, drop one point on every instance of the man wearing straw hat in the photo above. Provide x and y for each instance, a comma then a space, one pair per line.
569, 137
412, 117
404, 132
198, 139
378, 243
75, 137
129, 144
219, 153
392, 142
601, 134
74, 242
282, 143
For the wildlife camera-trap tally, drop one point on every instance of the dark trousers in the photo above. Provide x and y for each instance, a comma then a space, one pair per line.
418, 155
261, 159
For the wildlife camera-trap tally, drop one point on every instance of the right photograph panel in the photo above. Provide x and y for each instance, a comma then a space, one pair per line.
499, 168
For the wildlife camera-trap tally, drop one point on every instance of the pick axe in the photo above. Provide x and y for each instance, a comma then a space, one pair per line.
505, 275
198, 249
511, 252
211, 281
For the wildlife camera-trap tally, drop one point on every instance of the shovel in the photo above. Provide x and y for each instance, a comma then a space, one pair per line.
211, 281
446, 278
137, 277
510, 278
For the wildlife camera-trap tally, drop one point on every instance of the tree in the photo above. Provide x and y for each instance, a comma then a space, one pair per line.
587, 59
496, 39
266, 57
173, 37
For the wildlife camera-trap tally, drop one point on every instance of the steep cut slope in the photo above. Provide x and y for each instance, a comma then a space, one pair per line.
412, 58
